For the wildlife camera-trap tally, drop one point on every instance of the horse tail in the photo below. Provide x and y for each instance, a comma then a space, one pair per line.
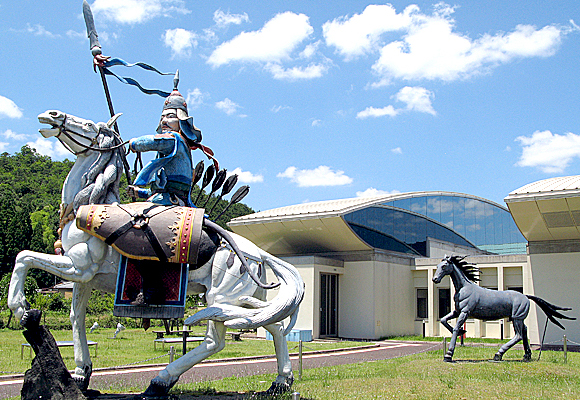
284, 305
551, 310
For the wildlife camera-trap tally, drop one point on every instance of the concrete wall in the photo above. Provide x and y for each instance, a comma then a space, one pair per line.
555, 272
356, 300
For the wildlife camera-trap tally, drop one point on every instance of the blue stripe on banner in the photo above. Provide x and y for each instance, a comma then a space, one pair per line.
117, 61
131, 81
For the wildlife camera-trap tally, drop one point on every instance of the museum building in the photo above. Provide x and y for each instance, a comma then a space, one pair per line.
368, 262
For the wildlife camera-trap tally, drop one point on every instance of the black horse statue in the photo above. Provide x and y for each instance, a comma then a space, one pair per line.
472, 300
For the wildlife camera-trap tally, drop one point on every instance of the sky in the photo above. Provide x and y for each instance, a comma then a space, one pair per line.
318, 100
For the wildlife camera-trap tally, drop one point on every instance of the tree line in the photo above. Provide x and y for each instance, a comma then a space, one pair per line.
30, 196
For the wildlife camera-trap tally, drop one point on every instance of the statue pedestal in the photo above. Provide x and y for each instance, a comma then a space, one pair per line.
48, 378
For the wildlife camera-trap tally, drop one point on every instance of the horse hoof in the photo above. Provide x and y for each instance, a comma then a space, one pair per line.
448, 359
527, 357
156, 390
278, 388
81, 382
497, 357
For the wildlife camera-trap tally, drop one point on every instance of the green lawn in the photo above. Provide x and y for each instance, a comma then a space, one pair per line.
420, 376
426, 376
134, 346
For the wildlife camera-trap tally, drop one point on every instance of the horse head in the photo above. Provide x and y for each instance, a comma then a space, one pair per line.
76, 134
445, 267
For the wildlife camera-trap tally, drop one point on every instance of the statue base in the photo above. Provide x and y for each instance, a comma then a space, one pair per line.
48, 378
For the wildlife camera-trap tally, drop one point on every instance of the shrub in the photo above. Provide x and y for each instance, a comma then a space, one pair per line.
100, 303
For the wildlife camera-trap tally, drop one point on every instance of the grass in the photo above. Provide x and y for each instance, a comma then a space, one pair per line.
133, 346
426, 376
420, 376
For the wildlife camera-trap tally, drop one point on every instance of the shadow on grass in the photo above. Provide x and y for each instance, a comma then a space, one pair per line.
487, 361
203, 394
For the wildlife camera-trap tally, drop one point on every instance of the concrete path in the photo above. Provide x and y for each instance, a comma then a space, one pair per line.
139, 377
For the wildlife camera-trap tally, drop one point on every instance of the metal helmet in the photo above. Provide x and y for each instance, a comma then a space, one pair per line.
176, 102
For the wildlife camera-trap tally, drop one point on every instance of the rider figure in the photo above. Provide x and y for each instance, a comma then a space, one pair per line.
170, 174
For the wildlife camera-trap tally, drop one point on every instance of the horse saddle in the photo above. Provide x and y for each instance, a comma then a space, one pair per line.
145, 231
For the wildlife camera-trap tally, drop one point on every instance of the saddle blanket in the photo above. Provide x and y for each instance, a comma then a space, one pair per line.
145, 231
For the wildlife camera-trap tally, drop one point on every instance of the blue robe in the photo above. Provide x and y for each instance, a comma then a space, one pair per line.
170, 173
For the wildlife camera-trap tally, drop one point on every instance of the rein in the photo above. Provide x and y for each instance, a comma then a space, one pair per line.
62, 130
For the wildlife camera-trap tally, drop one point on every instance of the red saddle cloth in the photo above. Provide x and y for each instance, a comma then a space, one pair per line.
145, 231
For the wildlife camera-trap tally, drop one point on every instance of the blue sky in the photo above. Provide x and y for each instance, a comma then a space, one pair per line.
312, 100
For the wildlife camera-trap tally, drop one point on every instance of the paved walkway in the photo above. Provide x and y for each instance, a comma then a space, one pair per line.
139, 377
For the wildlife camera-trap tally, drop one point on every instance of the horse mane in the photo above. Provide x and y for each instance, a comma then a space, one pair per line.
470, 271
100, 184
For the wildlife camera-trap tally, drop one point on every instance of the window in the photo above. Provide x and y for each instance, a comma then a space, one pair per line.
444, 302
422, 304
516, 288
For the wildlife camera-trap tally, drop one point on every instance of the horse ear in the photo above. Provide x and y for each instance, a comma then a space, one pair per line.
113, 119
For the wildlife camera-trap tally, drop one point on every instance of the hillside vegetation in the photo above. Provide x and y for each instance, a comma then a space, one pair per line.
30, 195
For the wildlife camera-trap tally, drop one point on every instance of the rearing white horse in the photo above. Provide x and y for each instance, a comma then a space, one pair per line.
235, 296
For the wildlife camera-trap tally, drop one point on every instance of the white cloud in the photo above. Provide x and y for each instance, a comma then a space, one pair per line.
316, 122
137, 11
246, 176
295, 73
428, 46
180, 41
274, 42
3, 146
9, 109
361, 33
397, 150
309, 50
53, 149
40, 30
433, 50
549, 152
11, 135
277, 109
417, 99
320, 176
372, 192
77, 35
227, 106
223, 19
377, 112
194, 98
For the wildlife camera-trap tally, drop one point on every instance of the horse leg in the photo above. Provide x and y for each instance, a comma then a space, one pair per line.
519, 328
460, 321
78, 312
451, 315
527, 349
60, 266
214, 342
285, 379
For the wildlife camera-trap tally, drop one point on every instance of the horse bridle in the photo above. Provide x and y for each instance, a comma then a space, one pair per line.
93, 141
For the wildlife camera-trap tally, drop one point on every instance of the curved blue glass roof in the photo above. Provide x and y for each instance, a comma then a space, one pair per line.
404, 225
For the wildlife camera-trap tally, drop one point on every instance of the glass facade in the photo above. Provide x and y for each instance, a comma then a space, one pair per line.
404, 225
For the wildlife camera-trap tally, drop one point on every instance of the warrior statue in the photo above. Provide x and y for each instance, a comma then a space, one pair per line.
170, 174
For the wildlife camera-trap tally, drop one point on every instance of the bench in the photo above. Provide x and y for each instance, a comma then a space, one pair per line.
235, 336
63, 343
176, 340
161, 334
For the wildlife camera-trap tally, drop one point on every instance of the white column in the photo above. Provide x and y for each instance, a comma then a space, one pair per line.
430, 303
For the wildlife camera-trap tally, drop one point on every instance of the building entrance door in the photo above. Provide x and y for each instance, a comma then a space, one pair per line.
328, 305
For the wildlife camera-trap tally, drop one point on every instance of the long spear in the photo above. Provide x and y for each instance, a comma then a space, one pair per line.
98, 59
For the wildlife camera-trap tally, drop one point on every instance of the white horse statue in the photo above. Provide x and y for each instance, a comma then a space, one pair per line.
235, 298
